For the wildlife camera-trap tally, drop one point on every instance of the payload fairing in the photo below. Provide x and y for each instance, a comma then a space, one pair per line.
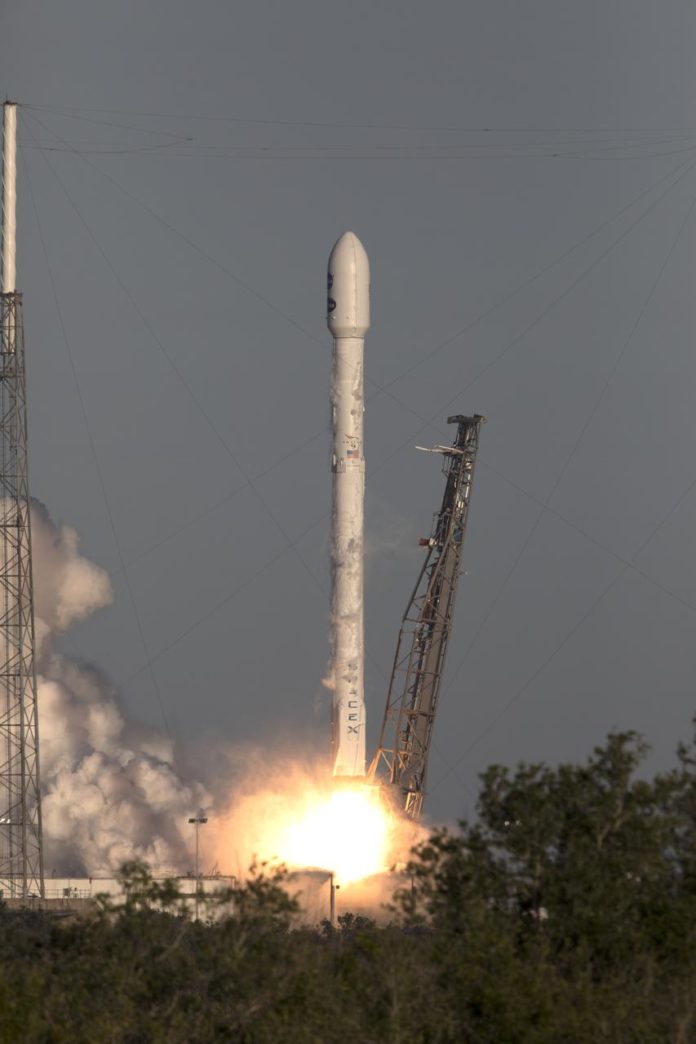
348, 318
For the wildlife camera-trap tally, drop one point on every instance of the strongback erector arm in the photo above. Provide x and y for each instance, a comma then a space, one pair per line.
401, 760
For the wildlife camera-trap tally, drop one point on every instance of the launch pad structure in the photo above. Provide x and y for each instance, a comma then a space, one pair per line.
400, 763
21, 848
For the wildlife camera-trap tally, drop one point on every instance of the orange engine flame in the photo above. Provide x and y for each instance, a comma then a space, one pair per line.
305, 820
346, 831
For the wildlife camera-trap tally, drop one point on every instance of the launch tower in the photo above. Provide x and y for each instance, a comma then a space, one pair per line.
21, 851
401, 761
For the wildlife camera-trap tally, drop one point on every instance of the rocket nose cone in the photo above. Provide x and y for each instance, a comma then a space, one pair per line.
348, 251
348, 306
348, 240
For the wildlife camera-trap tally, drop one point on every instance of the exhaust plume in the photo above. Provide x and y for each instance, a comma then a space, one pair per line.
111, 790
114, 790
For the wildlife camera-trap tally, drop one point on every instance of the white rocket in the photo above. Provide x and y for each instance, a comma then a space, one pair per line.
348, 318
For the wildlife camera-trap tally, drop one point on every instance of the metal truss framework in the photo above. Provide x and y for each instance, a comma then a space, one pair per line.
401, 760
21, 850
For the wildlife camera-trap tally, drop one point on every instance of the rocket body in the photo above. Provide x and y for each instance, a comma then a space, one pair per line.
348, 318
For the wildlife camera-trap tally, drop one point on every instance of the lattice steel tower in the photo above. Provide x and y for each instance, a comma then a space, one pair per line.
401, 761
21, 849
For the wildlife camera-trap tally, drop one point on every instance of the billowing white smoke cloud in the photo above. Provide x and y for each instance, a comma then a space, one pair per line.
111, 791
67, 587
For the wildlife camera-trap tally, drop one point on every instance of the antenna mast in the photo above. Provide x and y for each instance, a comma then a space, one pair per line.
21, 848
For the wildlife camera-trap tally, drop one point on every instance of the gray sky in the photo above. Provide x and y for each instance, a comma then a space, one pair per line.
191, 167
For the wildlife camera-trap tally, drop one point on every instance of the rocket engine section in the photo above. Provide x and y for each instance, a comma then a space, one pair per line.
348, 318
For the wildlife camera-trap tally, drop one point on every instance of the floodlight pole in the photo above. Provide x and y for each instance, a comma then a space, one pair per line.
333, 888
198, 821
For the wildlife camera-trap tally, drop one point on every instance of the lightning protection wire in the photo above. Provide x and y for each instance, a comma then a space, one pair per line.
249, 482
218, 264
207, 117
173, 150
538, 318
190, 142
194, 246
627, 564
583, 431
587, 536
400, 153
545, 505
478, 320
572, 632
451, 769
683, 172
191, 147
383, 389
430, 422
486, 466
110, 123
511, 295
429, 355
95, 456
290, 544
311, 337
108, 148
265, 301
